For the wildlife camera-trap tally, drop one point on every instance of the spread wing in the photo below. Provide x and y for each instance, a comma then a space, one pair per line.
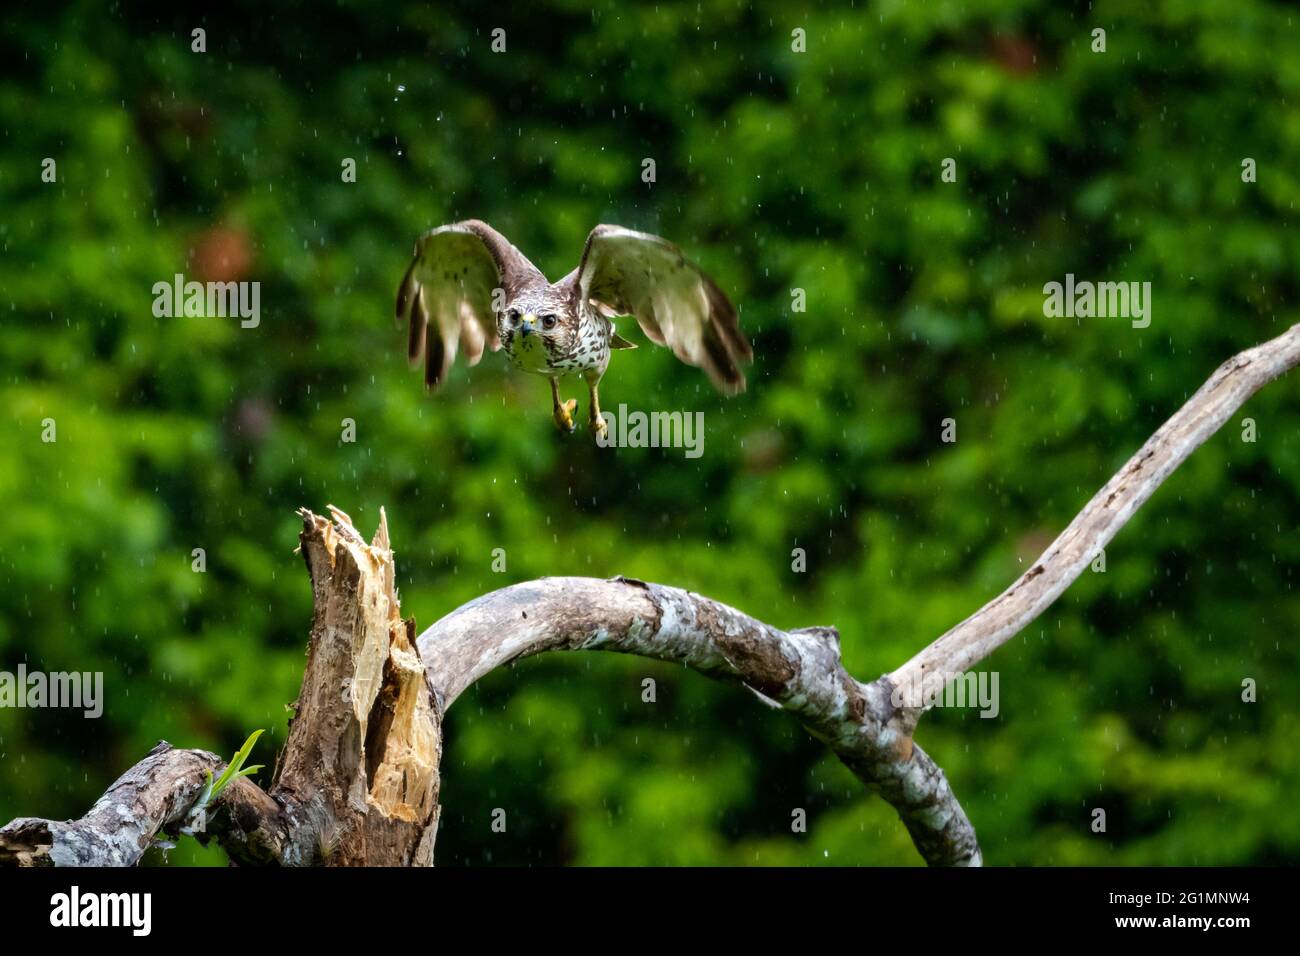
677, 305
449, 285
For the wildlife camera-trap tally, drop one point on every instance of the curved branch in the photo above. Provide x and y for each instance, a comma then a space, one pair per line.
956, 651
799, 671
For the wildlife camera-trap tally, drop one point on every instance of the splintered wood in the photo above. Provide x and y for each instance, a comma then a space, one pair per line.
364, 745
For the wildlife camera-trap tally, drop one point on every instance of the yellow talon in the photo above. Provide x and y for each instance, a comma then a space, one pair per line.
564, 415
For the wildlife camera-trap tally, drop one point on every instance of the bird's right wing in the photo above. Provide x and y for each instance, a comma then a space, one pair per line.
450, 284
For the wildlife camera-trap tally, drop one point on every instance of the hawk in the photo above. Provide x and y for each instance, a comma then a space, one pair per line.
477, 291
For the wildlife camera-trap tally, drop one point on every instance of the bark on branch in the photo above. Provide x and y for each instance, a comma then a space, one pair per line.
153, 797
798, 671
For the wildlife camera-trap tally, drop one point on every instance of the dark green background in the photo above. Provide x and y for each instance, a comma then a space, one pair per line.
776, 170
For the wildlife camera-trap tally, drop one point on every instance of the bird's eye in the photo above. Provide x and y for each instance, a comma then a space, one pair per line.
514, 316
548, 321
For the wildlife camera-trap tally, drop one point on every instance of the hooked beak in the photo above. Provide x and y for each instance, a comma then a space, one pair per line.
529, 325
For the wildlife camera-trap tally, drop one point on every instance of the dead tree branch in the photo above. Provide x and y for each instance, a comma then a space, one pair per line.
799, 671
153, 797
975, 638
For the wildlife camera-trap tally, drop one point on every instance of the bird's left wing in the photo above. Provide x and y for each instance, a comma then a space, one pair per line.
449, 284
674, 302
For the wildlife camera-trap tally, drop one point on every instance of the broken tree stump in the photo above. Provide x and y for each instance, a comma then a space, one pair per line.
357, 781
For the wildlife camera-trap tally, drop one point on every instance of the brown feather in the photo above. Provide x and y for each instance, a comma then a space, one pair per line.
404, 291
435, 362
418, 325
725, 319
720, 366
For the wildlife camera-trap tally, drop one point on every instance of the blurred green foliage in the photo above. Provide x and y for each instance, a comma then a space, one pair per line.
776, 170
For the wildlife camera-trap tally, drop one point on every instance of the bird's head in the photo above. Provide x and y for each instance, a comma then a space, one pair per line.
530, 323
535, 313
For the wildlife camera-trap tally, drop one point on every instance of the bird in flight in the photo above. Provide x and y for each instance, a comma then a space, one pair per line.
468, 288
